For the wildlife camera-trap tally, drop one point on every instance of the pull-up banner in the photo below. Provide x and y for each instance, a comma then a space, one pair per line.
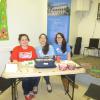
58, 18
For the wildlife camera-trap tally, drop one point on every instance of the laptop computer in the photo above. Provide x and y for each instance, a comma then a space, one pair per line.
45, 63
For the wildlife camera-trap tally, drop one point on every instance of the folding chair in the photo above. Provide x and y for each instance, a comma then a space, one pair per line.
93, 92
4, 84
66, 80
93, 45
15, 82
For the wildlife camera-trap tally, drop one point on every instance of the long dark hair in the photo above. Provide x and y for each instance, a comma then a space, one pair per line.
64, 42
45, 48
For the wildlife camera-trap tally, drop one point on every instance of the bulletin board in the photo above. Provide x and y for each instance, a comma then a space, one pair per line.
3, 21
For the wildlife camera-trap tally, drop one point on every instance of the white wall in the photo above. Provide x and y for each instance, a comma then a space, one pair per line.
84, 24
73, 24
24, 16
89, 25
30, 16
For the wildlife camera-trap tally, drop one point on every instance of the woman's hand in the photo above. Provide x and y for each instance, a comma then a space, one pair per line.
68, 56
15, 62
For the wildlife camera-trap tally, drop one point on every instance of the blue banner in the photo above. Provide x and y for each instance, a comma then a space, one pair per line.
58, 18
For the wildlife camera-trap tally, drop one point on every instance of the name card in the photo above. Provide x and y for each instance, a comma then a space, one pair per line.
11, 68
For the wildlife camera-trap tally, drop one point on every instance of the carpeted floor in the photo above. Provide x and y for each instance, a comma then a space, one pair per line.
90, 63
94, 61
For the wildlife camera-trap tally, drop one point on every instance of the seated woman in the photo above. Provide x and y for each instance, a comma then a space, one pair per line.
44, 50
24, 52
62, 49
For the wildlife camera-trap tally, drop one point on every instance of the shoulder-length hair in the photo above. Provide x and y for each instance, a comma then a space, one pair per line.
45, 48
21, 35
64, 42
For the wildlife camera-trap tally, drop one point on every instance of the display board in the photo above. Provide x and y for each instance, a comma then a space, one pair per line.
3, 21
58, 19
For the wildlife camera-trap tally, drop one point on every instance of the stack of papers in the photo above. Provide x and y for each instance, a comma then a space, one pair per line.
28, 63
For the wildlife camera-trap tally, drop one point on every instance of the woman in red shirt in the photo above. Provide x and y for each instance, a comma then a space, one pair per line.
21, 53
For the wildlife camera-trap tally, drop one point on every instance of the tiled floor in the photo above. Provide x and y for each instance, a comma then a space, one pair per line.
57, 93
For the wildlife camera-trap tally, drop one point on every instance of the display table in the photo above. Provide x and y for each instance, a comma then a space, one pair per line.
31, 71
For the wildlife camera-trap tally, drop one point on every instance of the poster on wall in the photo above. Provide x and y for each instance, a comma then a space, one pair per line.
58, 19
3, 21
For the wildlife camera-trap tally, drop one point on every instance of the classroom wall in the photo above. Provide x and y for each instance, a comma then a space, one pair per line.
24, 16
84, 24
73, 32
30, 16
89, 26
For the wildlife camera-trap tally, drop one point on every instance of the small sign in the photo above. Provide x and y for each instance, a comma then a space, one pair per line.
11, 68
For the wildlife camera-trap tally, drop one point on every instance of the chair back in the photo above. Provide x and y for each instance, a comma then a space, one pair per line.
94, 42
10, 56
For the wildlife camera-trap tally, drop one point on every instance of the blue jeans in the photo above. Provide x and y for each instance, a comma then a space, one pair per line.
47, 79
28, 83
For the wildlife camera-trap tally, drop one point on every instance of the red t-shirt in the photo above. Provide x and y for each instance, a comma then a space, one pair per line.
21, 54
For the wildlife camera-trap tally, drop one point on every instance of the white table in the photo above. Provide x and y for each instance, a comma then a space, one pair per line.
31, 71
